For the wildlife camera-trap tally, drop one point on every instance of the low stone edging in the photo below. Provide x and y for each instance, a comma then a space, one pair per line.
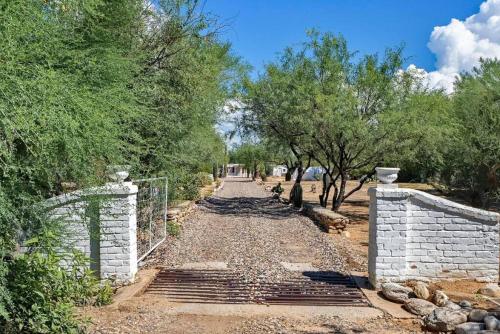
178, 213
332, 221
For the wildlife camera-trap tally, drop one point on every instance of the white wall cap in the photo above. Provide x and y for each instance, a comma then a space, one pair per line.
438, 202
110, 189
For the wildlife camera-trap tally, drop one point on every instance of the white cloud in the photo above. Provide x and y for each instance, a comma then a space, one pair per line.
230, 116
459, 45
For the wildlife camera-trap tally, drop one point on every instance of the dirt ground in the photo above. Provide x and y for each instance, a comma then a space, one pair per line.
147, 314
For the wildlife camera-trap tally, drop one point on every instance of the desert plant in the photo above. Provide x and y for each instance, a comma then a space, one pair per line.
173, 229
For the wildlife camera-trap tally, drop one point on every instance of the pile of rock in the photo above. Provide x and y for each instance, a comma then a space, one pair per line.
178, 213
439, 314
331, 221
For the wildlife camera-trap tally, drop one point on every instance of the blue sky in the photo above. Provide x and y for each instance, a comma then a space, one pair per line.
259, 29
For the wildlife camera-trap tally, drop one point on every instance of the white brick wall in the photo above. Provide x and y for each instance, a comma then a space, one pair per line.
107, 235
414, 235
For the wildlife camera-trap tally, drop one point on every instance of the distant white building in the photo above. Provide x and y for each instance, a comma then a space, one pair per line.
279, 170
311, 174
236, 170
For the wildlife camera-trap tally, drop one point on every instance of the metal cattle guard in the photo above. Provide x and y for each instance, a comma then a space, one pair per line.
151, 214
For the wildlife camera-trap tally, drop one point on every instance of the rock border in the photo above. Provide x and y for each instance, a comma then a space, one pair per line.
333, 222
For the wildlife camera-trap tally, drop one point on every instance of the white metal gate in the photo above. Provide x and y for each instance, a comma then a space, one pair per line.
151, 214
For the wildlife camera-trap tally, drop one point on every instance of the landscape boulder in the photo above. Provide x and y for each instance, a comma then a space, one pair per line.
396, 292
491, 322
440, 298
465, 304
419, 306
469, 327
477, 315
421, 291
443, 319
452, 306
490, 290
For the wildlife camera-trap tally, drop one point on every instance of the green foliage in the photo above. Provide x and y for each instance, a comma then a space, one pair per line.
277, 189
252, 156
473, 156
203, 179
43, 295
326, 107
183, 186
429, 123
173, 229
85, 84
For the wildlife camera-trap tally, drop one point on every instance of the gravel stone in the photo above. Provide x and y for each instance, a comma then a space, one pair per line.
440, 298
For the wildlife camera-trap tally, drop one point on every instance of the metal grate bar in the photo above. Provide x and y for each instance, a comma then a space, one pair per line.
226, 286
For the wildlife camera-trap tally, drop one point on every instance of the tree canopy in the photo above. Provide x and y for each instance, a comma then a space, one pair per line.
344, 112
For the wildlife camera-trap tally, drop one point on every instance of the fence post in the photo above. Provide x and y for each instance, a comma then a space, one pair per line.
118, 240
387, 230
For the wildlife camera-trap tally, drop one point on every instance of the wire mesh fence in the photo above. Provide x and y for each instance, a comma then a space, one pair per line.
151, 214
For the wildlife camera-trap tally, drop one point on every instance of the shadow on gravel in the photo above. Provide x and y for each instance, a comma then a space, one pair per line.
330, 277
248, 206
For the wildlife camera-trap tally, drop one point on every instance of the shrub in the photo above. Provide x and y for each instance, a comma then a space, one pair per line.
173, 229
43, 295
472, 162
184, 186
203, 179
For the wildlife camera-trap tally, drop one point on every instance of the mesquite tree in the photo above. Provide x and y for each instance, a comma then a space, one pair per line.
346, 116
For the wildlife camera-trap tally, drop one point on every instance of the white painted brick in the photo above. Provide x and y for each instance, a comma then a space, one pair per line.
418, 251
419, 214
444, 259
117, 227
440, 239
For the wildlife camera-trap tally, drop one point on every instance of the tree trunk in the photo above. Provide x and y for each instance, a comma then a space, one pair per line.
215, 172
254, 175
337, 200
289, 173
323, 198
327, 184
296, 192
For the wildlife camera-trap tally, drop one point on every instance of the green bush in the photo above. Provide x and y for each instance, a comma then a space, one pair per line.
473, 155
42, 294
184, 186
203, 179
173, 229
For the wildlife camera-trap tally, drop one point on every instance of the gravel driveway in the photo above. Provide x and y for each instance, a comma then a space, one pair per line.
252, 233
